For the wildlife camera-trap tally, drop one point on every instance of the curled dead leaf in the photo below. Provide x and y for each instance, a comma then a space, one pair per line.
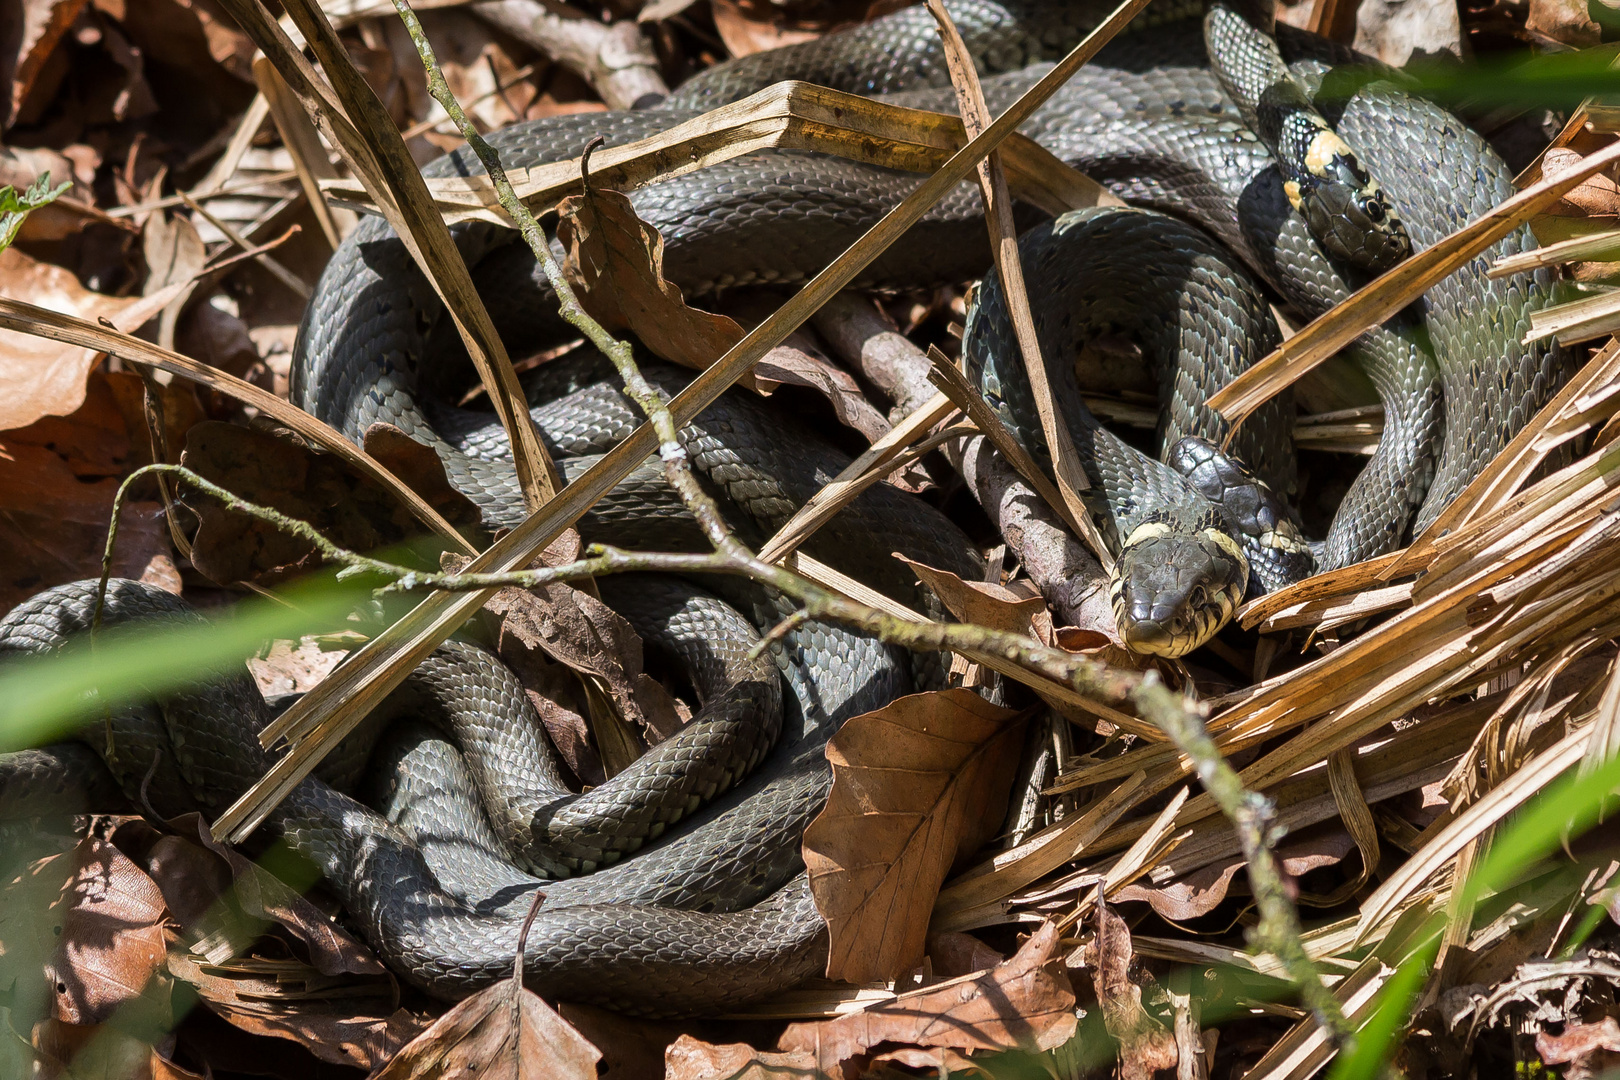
40, 377
42, 23
953, 953
1024, 1003
578, 630
615, 262
1145, 1045
987, 604
310, 982
346, 1022
786, 366
632, 1048
1596, 196
917, 784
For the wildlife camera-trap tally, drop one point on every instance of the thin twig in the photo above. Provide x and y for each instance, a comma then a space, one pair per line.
731, 557
1253, 816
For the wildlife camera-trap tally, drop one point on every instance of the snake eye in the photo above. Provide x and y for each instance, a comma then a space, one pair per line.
1374, 209
1198, 597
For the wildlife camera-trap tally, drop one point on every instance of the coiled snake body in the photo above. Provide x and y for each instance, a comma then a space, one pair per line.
716, 911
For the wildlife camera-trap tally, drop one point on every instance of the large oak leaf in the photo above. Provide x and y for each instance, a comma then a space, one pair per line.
916, 785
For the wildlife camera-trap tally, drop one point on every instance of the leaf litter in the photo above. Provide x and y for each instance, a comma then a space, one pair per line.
1482, 656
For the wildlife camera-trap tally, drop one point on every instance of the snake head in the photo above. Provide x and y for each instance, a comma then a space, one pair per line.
1346, 210
1172, 589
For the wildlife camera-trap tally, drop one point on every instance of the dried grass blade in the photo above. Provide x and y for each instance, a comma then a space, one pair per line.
1335, 610
1577, 320
1332, 585
1038, 856
1152, 846
1392, 291
1597, 247
337, 704
953, 384
1306, 1048
1467, 826
998, 218
310, 163
1509, 469
880, 459
276, 269
784, 116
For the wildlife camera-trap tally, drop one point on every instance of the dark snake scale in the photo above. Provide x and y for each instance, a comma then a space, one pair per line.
698, 901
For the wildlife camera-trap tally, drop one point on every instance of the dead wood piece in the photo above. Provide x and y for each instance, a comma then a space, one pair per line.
860, 333
1069, 576
617, 59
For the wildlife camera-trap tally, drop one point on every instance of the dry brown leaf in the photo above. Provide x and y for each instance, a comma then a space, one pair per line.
749, 27
788, 366
1597, 196
343, 1022
280, 471
917, 784
39, 377
193, 875
187, 34
1590, 1044
58, 477
217, 338
1145, 1045
175, 255
1021, 1004
89, 922
332, 996
491, 1036
43, 22
941, 1060
552, 689
293, 667
693, 1059
1568, 21
987, 604
1395, 30
579, 631
953, 954
632, 1048
92, 1052
164, 1069
616, 264
422, 470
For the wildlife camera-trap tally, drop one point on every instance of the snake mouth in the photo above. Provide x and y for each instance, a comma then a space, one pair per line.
1173, 590
1350, 214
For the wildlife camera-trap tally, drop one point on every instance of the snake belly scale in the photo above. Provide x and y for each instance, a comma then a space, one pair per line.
713, 909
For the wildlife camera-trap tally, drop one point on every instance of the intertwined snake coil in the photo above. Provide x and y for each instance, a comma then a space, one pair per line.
716, 911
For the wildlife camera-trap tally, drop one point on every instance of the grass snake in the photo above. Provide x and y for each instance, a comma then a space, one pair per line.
716, 911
